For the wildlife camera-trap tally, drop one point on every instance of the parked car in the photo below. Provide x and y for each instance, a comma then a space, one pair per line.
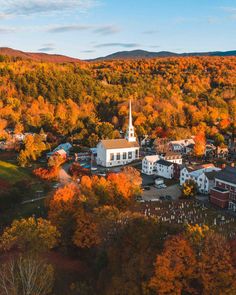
168, 198
147, 188
162, 198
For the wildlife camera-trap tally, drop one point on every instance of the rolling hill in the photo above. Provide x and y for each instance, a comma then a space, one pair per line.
140, 54
44, 57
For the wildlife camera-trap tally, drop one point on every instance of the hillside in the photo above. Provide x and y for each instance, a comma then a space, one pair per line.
172, 97
43, 57
141, 54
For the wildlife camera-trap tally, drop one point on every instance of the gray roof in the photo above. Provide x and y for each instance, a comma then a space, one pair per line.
211, 175
228, 174
164, 163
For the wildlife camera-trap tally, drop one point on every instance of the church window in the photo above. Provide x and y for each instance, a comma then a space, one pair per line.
112, 157
124, 156
136, 153
130, 155
118, 156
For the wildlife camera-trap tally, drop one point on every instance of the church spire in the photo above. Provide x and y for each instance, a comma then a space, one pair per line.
130, 130
130, 114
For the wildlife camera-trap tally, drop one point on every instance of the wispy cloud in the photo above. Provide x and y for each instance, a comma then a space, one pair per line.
102, 30
46, 49
124, 45
6, 30
30, 7
68, 28
107, 30
88, 51
231, 12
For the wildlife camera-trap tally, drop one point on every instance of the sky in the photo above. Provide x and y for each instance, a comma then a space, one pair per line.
92, 28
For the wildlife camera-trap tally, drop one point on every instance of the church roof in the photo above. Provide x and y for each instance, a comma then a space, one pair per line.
118, 144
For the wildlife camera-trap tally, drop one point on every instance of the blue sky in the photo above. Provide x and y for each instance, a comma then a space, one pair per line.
92, 28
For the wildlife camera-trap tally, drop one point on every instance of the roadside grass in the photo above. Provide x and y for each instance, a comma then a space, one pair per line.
13, 173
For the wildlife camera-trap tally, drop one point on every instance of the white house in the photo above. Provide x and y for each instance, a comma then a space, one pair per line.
116, 152
149, 163
165, 169
180, 146
202, 175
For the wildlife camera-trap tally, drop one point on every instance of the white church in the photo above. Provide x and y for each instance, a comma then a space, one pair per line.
116, 152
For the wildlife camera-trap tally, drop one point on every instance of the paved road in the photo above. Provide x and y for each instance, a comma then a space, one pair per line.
154, 193
64, 177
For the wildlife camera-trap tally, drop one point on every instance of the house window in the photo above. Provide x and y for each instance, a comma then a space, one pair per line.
129, 155
125, 156
118, 156
136, 154
112, 157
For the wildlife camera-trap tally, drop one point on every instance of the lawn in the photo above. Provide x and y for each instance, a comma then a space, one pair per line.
12, 173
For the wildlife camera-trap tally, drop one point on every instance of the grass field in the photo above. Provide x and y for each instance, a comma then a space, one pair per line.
12, 173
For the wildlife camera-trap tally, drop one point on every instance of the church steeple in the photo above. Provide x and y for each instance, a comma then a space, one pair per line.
130, 130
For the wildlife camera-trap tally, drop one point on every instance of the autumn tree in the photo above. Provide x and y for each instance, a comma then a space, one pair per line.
189, 188
30, 235
200, 144
216, 272
174, 269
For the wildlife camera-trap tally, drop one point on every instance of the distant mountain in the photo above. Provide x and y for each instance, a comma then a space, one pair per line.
44, 57
140, 54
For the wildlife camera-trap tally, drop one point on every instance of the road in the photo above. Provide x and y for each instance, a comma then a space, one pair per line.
64, 176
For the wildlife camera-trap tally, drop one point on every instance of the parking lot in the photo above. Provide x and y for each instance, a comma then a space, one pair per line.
154, 193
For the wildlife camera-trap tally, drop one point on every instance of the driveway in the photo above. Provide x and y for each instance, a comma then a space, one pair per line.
64, 177
174, 191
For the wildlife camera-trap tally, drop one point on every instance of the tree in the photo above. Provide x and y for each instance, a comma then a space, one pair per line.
30, 235
174, 268
216, 272
86, 232
189, 188
26, 276
200, 144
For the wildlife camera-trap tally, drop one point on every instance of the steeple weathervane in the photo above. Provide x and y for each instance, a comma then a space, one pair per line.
130, 130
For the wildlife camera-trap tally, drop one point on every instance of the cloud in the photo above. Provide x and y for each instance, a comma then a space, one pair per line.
107, 30
46, 49
231, 11
5, 30
88, 51
68, 28
30, 7
124, 45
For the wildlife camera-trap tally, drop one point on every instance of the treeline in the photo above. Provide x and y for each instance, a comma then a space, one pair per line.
171, 97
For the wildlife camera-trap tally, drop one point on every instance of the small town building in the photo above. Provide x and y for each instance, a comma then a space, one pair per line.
224, 192
202, 175
182, 146
149, 163
116, 152
165, 169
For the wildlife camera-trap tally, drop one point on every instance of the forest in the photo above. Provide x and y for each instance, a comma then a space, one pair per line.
172, 97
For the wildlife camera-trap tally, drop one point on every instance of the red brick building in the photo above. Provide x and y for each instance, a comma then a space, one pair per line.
224, 192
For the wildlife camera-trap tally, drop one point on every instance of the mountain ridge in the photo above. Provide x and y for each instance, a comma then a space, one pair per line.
119, 55
140, 54
37, 56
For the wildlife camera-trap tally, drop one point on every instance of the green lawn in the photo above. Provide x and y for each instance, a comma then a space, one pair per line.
12, 173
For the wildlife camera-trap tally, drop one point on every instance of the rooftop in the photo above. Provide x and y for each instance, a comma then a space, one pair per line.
164, 163
118, 144
227, 174
152, 158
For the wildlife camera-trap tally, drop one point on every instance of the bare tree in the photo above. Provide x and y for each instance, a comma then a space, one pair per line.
26, 276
